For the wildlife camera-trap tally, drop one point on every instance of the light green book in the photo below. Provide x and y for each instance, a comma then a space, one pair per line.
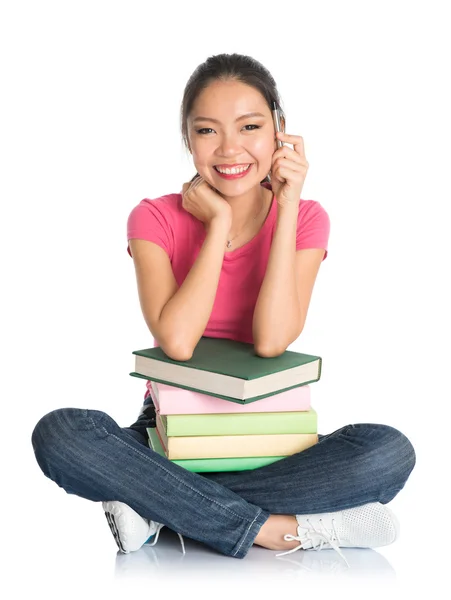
221, 366
240, 423
233, 446
212, 465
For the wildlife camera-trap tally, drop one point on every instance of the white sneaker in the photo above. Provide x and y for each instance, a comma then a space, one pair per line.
368, 526
130, 530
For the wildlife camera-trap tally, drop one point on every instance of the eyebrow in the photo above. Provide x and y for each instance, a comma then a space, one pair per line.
246, 116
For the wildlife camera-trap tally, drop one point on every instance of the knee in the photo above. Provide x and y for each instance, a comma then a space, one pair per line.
52, 434
399, 450
47, 434
391, 456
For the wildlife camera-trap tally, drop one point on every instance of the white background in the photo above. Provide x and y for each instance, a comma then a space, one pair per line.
90, 101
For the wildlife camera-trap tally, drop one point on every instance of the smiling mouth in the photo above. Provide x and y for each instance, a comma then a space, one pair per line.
232, 170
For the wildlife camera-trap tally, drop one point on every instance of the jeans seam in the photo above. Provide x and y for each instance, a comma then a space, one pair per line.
247, 531
175, 477
95, 426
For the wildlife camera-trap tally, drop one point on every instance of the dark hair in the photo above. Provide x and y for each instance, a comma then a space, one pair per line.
225, 67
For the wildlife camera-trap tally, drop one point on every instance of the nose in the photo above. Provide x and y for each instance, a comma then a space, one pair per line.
229, 145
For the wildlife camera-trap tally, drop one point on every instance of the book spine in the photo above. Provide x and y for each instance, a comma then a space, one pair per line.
239, 446
205, 465
240, 424
172, 400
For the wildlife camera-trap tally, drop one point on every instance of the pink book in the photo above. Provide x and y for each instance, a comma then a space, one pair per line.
171, 400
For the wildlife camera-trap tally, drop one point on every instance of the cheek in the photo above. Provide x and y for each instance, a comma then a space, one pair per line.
201, 153
263, 149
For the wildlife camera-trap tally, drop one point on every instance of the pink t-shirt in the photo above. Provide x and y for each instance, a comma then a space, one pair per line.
165, 222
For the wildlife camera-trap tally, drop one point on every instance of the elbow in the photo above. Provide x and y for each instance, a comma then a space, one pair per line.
272, 350
177, 352
268, 351
179, 355
273, 345
173, 347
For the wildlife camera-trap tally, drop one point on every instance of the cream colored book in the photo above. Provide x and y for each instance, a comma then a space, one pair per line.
234, 446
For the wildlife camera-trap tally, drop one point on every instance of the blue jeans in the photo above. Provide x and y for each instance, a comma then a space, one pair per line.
86, 453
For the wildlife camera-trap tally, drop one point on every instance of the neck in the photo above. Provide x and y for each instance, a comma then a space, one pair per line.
245, 207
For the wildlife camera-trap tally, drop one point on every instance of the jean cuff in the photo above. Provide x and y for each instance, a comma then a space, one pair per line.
243, 546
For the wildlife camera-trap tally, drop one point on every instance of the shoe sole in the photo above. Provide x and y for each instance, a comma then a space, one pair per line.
125, 525
115, 531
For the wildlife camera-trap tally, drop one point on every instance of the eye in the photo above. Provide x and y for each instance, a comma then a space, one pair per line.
206, 130
201, 131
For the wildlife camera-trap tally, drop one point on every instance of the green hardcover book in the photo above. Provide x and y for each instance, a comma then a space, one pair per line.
212, 465
240, 423
229, 369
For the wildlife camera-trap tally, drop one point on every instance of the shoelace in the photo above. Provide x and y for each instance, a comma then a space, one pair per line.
319, 539
157, 533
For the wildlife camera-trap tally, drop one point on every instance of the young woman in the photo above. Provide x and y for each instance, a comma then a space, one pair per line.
234, 255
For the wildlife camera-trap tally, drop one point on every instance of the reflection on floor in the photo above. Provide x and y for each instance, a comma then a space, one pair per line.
200, 561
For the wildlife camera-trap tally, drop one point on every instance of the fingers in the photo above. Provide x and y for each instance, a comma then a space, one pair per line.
196, 183
289, 163
296, 164
288, 153
288, 166
193, 184
284, 173
295, 140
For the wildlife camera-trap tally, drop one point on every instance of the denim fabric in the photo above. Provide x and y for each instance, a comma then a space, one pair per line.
86, 453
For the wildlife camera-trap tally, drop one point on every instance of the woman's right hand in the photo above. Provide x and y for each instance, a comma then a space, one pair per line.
204, 202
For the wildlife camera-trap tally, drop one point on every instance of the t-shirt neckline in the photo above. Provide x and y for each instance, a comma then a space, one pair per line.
247, 247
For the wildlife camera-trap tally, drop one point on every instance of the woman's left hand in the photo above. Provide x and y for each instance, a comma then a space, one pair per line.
289, 169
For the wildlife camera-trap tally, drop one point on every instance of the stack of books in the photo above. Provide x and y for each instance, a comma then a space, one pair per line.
227, 409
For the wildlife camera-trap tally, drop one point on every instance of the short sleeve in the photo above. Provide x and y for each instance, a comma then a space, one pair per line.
150, 220
313, 226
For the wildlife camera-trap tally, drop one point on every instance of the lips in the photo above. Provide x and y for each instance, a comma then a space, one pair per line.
232, 166
233, 175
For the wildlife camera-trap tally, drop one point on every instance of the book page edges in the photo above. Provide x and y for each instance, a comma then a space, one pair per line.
236, 387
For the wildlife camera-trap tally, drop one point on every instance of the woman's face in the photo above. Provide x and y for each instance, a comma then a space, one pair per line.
221, 133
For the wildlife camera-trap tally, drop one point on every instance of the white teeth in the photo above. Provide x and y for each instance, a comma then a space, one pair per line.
233, 170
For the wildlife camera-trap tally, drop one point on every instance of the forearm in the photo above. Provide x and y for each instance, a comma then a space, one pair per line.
186, 315
277, 318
